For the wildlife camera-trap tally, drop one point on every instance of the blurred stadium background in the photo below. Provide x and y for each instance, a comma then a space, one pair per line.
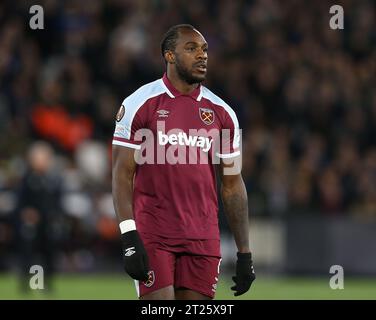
305, 98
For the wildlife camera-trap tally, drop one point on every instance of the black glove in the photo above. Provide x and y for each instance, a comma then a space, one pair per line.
245, 274
136, 262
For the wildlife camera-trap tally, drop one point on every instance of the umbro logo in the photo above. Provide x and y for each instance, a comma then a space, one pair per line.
163, 113
129, 251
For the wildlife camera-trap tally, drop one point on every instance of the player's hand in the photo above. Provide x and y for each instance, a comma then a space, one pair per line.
245, 274
136, 262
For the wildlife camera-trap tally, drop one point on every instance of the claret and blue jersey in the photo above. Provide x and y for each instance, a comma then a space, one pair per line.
175, 185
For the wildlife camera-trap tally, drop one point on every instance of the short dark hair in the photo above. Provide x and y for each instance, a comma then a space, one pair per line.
169, 39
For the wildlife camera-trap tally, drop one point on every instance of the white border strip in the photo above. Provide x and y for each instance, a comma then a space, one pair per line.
227, 155
126, 144
200, 95
167, 90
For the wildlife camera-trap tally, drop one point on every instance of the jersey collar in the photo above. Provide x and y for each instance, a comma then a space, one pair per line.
173, 92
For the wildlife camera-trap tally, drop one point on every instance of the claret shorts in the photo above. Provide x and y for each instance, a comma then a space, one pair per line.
182, 263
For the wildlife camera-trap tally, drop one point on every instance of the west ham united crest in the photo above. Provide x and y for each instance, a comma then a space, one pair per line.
206, 115
150, 281
120, 113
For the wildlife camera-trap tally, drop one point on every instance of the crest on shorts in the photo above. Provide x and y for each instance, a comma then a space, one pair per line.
150, 281
120, 113
206, 115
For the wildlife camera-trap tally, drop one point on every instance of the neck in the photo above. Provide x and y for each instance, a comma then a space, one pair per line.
180, 84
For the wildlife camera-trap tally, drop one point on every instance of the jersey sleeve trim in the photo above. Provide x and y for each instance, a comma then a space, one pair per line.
124, 143
227, 155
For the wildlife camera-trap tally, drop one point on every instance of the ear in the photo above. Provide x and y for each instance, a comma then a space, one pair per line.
170, 57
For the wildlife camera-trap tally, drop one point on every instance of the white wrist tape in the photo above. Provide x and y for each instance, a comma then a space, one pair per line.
127, 225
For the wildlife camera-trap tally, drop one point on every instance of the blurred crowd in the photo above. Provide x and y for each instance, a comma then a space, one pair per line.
304, 95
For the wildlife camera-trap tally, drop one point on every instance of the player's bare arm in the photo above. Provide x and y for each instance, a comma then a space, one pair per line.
124, 167
135, 258
235, 202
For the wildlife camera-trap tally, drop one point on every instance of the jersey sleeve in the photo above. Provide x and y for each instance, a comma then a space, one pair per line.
129, 119
229, 144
